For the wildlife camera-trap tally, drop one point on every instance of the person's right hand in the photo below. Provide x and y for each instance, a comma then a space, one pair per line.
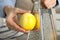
48, 3
11, 19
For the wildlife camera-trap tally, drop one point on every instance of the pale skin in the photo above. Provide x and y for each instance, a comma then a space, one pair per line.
11, 18
48, 3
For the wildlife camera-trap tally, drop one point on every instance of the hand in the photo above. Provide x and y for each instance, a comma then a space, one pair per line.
48, 3
11, 19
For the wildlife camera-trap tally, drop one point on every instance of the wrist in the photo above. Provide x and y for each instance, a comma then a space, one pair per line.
8, 9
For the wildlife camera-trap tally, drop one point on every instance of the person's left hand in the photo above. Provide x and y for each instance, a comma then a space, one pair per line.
12, 18
48, 3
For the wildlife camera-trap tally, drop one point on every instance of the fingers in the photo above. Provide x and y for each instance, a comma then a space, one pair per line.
14, 25
49, 3
20, 11
11, 20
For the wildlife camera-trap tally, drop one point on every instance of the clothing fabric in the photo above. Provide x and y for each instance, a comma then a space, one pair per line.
4, 31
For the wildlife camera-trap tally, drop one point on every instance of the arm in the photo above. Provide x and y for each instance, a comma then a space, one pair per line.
11, 18
4, 3
8, 6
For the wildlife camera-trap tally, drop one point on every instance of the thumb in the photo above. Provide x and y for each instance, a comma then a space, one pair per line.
21, 11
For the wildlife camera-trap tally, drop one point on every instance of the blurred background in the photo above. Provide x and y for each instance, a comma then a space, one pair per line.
58, 22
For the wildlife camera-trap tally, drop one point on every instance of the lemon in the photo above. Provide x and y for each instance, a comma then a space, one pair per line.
27, 21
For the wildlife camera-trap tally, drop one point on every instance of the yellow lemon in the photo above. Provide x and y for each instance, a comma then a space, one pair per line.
27, 21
